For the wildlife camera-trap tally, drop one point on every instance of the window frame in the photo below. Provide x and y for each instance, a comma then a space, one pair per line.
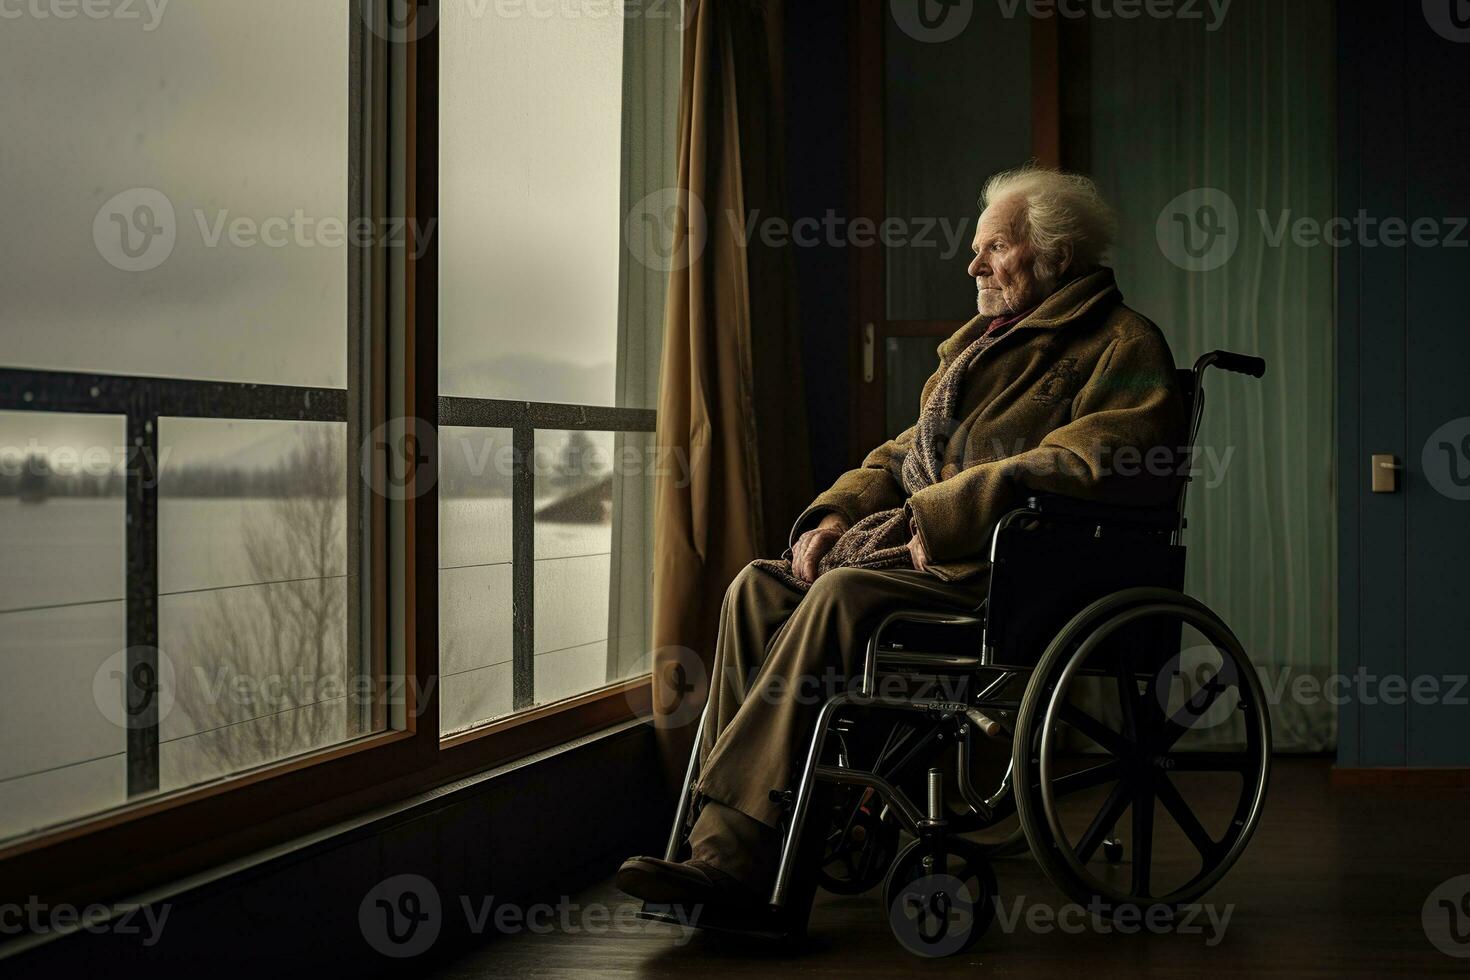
393, 375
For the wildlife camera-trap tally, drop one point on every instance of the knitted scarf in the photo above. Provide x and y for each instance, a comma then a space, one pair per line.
881, 540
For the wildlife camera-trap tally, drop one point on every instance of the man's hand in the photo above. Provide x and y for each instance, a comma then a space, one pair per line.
917, 554
814, 544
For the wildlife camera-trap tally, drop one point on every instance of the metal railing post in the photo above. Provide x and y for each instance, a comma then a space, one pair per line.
142, 684
523, 569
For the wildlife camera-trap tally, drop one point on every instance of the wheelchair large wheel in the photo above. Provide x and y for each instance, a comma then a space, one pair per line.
1002, 843
1106, 728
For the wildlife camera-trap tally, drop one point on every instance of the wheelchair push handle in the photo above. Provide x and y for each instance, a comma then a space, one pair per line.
1230, 361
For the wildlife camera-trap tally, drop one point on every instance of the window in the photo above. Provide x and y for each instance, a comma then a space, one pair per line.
235, 597
176, 537
549, 340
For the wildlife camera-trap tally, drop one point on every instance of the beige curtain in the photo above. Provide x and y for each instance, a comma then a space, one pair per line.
731, 404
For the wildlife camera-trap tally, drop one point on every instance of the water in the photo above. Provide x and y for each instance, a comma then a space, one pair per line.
61, 551
252, 622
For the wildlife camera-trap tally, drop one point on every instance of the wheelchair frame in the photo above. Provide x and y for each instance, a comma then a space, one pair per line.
1112, 610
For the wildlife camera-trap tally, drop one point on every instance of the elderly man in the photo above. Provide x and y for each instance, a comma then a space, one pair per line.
1040, 392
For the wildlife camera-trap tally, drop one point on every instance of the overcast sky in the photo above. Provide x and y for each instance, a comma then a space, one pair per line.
237, 109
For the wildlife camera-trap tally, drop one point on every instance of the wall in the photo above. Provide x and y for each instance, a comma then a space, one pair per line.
534, 831
818, 179
1207, 141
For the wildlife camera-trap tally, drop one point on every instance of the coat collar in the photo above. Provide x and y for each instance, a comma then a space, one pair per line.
1069, 304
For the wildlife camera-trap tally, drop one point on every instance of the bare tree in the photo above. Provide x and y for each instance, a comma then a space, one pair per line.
272, 658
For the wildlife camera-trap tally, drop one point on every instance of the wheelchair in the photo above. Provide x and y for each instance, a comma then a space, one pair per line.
1089, 721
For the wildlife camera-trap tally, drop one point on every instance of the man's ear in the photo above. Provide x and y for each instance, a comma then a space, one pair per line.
1066, 262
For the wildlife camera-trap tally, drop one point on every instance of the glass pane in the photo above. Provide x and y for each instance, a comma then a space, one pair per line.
909, 363
180, 207
630, 599
475, 645
530, 185
62, 615
252, 577
581, 572
939, 151
177, 187
573, 561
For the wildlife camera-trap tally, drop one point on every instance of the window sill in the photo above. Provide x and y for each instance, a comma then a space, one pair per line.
466, 794
132, 850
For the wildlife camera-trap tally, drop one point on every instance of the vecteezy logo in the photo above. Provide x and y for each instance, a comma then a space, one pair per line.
1446, 459
1450, 19
398, 460
682, 688
1208, 691
1199, 230
652, 230
401, 915
932, 21
135, 688
400, 21
1446, 917
933, 915
135, 231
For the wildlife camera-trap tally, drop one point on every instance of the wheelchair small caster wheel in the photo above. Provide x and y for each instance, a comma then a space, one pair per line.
1112, 850
940, 895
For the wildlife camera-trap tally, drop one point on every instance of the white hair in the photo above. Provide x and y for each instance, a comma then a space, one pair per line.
1062, 211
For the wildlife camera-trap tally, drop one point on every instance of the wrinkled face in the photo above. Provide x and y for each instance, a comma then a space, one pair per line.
1004, 265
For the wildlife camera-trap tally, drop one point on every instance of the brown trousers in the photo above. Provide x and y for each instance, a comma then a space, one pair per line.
779, 655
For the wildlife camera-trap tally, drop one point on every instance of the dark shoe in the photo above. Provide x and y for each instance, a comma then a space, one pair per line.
682, 883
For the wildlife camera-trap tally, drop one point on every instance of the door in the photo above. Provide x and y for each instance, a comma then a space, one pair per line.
1404, 342
926, 139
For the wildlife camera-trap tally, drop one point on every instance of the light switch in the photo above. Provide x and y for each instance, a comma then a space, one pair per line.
1386, 468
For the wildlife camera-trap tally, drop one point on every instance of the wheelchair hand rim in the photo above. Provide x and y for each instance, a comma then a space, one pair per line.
1134, 604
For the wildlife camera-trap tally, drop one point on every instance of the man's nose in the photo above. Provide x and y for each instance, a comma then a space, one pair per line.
978, 267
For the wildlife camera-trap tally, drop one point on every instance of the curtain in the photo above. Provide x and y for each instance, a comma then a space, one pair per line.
735, 464
652, 54
1227, 135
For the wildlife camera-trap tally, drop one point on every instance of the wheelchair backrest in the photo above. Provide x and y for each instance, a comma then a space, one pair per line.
1045, 573
1029, 600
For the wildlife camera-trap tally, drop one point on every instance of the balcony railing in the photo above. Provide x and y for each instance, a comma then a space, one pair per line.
142, 401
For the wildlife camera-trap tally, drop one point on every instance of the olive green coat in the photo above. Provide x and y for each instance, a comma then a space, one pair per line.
1079, 398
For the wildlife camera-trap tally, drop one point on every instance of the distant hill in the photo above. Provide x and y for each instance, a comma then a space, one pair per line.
590, 505
522, 376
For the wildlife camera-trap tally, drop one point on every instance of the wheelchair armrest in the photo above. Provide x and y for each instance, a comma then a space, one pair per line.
1093, 512
945, 655
932, 618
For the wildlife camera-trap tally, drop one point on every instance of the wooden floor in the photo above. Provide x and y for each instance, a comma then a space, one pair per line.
1333, 885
